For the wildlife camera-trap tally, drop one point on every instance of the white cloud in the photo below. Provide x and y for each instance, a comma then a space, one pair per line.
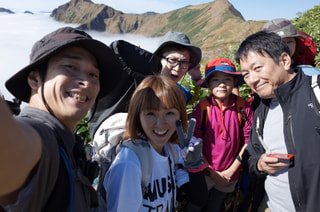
20, 31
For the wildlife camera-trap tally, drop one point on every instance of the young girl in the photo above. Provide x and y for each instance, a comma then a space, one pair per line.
155, 106
223, 139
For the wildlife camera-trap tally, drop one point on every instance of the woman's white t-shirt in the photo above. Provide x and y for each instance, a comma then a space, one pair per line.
123, 182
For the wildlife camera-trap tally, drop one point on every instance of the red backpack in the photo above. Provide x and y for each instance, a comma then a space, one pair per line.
305, 50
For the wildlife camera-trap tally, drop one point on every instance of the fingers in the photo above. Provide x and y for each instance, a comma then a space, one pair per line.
270, 165
195, 69
192, 124
184, 141
219, 178
179, 129
195, 72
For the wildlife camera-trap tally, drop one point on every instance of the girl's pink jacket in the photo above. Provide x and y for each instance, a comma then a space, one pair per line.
222, 136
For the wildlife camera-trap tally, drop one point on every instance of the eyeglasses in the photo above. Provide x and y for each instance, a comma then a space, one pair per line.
173, 62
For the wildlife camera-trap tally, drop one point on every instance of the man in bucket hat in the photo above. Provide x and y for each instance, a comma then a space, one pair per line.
302, 56
178, 56
285, 29
42, 168
224, 137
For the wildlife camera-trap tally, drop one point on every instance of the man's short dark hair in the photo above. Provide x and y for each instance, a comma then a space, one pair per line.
265, 44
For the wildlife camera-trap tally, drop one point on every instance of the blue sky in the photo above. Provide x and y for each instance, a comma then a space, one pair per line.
250, 9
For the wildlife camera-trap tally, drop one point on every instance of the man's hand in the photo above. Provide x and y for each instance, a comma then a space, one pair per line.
195, 72
270, 165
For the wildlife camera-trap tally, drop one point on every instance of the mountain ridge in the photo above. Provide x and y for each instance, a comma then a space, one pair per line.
213, 26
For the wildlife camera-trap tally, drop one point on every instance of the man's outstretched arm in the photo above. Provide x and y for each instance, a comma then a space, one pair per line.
20, 151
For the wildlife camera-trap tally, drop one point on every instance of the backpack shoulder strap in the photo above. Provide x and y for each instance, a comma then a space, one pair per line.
316, 94
174, 153
205, 108
142, 150
70, 177
240, 104
315, 86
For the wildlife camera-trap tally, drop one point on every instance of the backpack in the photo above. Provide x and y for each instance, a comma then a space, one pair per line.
64, 191
306, 50
107, 143
205, 108
137, 63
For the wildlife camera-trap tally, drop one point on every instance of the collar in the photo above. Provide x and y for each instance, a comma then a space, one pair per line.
286, 90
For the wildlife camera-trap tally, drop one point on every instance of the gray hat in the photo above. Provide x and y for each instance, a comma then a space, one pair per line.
283, 27
54, 42
179, 38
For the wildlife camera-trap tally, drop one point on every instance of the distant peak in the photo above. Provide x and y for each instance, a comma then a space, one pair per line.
74, 2
6, 10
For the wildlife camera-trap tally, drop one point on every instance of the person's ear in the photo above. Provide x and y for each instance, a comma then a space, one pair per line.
34, 80
286, 59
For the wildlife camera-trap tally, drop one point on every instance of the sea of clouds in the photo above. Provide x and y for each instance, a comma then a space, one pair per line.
20, 31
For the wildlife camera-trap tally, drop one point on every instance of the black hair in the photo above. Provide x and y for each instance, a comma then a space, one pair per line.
174, 47
14, 106
265, 44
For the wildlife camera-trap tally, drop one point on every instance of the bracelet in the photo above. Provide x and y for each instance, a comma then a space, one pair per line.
238, 158
199, 169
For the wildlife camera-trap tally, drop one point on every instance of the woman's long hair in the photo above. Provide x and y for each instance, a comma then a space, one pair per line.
152, 91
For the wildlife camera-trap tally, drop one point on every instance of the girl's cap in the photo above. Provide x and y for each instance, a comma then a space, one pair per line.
223, 65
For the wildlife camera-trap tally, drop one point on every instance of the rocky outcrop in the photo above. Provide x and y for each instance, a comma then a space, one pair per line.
28, 12
4, 10
213, 26
90, 15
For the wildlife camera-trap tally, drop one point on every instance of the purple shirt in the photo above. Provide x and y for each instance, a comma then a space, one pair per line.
222, 139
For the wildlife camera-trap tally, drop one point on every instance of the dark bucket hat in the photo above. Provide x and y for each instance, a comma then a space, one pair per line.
54, 42
223, 65
179, 38
281, 26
